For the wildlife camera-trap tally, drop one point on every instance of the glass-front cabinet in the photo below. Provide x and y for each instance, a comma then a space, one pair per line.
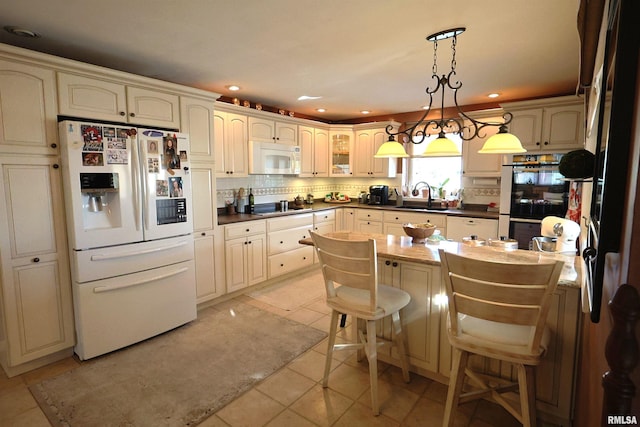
341, 152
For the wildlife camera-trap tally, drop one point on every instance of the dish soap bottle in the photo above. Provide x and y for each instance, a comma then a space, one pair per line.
251, 202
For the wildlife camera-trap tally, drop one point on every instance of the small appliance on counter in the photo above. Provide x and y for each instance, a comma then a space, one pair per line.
558, 235
378, 194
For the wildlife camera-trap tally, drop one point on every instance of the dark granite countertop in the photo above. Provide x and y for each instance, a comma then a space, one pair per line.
472, 211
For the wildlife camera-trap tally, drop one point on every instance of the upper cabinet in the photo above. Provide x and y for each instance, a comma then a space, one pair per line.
475, 164
94, 98
368, 138
268, 130
314, 151
549, 125
341, 152
196, 119
28, 123
231, 144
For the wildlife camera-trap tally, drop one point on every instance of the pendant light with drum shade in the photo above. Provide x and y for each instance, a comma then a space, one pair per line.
501, 143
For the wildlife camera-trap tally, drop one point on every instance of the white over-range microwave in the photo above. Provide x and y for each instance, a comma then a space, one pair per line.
273, 158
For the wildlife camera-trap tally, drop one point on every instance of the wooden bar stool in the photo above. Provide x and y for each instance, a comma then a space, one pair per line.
350, 271
497, 310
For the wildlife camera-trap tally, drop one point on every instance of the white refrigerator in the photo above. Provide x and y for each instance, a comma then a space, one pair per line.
128, 204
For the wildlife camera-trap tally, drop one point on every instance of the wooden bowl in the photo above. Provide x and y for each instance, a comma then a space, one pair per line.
419, 232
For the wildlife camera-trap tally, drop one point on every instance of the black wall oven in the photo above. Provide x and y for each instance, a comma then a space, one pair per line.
532, 188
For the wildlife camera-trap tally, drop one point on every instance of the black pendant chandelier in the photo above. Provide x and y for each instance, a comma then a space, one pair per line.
466, 127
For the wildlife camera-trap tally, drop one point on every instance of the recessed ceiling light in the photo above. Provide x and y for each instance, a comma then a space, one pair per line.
365, 111
321, 110
21, 32
306, 97
233, 87
493, 95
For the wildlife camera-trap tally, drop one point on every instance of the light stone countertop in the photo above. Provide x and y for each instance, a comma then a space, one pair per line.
401, 248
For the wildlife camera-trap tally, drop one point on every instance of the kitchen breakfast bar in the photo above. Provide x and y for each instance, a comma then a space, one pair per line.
415, 268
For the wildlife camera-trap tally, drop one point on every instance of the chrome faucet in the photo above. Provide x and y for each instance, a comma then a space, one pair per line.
415, 192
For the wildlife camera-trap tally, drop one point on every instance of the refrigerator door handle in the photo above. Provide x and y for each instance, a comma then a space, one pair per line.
99, 257
100, 289
135, 178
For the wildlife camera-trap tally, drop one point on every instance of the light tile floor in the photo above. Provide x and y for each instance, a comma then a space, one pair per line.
293, 396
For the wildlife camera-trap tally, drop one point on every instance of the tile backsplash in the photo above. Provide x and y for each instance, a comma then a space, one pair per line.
272, 188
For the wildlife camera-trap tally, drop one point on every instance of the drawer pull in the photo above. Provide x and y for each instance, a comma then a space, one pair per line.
36, 259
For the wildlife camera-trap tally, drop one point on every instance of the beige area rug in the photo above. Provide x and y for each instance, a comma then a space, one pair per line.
294, 292
179, 378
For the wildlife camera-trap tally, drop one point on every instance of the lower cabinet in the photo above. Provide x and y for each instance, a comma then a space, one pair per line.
207, 287
284, 253
421, 317
245, 254
460, 227
394, 220
36, 311
368, 221
324, 221
346, 219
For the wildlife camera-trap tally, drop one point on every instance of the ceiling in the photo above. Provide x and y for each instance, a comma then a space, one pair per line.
355, 54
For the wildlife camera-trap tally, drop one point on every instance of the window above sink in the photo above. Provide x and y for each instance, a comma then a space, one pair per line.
434, 170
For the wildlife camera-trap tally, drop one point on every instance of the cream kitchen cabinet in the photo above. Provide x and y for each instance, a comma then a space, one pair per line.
475, 164
555, 124
208, 283
368, 221
421, 317
91, 97
245, 254
367, 141
231, 144
393, 221
341, 152
28, 114
346, 219
197, 120
284, 253
324, 221
459, 227
314, 152
271, 130
36, 311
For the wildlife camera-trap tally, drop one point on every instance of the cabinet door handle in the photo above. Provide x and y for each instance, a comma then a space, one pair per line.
122, 113
36, 259
54, 145
395, 264
546, 143
56, 166
281, 265
132, 114
304, 257
203, 234
387, 262
538, 143
281, 242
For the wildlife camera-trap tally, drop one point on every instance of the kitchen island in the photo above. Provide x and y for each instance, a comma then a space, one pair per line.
415, 268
